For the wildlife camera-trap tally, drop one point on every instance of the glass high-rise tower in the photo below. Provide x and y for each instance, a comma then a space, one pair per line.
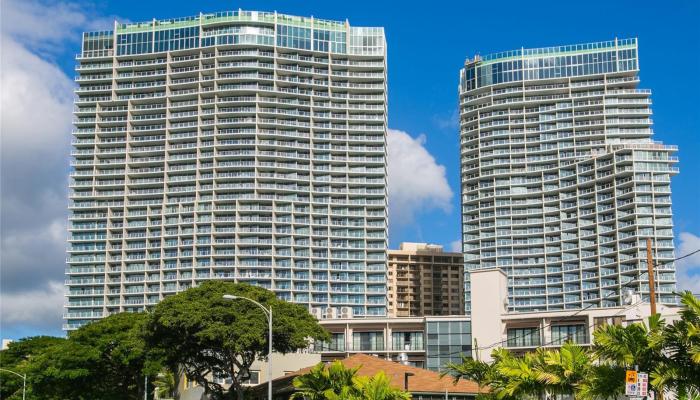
246, 146
562, 183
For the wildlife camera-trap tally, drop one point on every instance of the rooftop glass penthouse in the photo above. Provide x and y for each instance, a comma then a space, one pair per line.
242, 145
561, 181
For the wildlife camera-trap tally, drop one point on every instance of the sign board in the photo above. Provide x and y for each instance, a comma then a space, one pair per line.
631, 389
643, 383
636, 384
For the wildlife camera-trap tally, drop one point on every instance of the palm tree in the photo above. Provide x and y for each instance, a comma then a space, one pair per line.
604, 381
312, 385
634, 344
680, 367
480, 372
165, 385
564, 370
379, 387
518, 377
326, 382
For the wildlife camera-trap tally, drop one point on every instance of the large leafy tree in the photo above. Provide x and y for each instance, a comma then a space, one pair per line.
16, 358
106, 359
201, 334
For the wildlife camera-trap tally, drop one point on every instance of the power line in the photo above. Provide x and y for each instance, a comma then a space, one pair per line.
685, 256
593, 324
580, 310
544, 326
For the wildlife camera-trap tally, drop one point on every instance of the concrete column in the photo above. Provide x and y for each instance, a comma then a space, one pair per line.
489, 303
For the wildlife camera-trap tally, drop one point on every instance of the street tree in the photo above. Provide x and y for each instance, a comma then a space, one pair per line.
202, 335
16, 358
106, 359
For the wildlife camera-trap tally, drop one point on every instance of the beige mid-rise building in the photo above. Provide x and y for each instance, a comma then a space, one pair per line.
425, 280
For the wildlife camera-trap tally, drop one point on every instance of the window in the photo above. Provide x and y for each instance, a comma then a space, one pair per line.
602, 321
337, 343
447, 341
523, 337
569, 333
407, 340
368, 341
254, 378
222, 379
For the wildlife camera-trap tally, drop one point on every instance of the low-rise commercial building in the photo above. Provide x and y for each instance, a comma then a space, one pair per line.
282, 364
525, 331
421, 342
425, 280
421, 383
425, 342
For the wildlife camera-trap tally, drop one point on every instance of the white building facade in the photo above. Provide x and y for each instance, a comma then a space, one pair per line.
246, 146
561, 181
522, 332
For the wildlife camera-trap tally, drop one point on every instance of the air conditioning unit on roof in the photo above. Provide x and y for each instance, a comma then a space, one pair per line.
345, 312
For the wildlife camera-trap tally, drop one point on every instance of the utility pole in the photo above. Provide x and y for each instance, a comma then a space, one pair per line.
652, 286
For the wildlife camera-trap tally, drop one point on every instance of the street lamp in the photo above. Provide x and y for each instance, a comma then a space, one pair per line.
24, 380
268, 313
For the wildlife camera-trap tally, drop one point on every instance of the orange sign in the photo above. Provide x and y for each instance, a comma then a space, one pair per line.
631, 377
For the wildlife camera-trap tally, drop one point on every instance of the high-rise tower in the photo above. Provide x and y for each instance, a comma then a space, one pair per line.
561, 181
246, 146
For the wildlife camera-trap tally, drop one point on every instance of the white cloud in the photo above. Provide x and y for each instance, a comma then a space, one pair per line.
688, 269
36, 111
39, 308
47, 26
456, 246
416, 181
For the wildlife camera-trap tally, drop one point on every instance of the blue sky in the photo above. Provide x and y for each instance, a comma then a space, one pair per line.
427, 45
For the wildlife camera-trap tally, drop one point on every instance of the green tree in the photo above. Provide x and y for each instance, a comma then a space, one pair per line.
106, 359
165, 385
326, 382
16, 358
201, 334
669, 352
627, 346
518, 377
379, 387
336, 382
540, 374
679, 369
564, 370
480, 372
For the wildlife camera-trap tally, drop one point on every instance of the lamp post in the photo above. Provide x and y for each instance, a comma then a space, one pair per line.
268, 314
24, 381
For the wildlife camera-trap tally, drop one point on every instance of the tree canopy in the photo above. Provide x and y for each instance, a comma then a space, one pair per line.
201, 334
104, 360
16, 358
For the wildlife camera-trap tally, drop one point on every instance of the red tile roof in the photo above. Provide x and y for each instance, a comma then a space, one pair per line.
422, 380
